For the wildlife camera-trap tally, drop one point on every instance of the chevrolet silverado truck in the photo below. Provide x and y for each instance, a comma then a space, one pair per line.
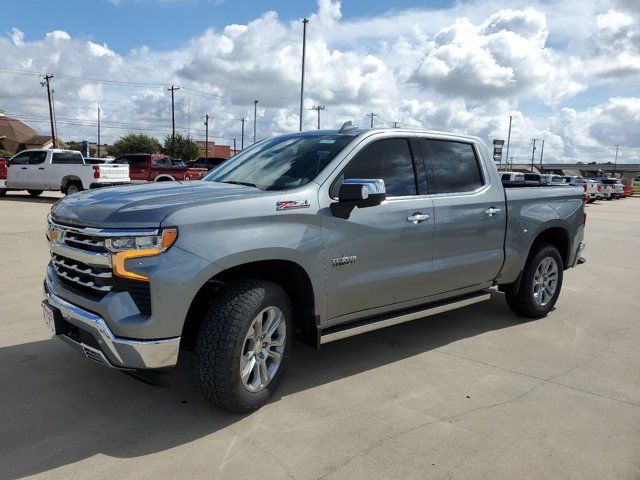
55, 169
144, 167
314, 235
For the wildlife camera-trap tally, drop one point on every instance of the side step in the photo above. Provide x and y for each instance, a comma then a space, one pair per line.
350, 329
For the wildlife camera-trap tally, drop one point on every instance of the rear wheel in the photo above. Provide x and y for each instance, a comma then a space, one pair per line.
540, 283
35, 193
3, 192
243, 345
72, 187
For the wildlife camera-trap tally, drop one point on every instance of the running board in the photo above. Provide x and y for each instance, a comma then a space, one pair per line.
351, 329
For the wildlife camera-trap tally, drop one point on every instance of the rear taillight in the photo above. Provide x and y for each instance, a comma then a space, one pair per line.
599, 188
96, 171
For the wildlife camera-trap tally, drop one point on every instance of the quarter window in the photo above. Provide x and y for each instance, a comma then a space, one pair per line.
452, 166
388, 159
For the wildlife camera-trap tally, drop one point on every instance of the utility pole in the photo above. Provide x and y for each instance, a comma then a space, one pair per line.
206, 136
98, 132
304, 51
47, 79
615, 163
173, 120
372, 115
234, 146
318, 108
533, 152
395, 124
242, 136
541, 154
255, 114
508, 142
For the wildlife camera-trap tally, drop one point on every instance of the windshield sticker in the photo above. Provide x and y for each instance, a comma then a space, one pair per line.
292, 204
327, 140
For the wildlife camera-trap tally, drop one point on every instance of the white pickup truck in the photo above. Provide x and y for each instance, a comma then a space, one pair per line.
63, 170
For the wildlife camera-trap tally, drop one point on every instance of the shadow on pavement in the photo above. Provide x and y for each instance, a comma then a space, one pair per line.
20, 197
58, 408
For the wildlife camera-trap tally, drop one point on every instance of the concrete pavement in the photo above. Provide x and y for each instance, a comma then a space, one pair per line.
474, 393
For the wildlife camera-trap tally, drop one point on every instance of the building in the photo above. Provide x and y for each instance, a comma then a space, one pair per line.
215, 151
16, 136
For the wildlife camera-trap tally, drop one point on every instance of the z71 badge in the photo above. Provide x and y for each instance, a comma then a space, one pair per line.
292, 204
336, 262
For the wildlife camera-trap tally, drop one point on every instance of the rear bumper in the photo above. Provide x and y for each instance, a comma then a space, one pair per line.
91, 334
107, 184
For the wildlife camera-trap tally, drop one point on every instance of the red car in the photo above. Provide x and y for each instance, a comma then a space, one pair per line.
628, 191
144, 167
3, 176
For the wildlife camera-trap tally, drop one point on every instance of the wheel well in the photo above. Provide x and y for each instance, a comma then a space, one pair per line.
164, 178
70, 178
559, 238
289, 275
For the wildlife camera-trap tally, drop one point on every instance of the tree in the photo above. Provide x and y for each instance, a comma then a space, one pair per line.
186, 149
134, 143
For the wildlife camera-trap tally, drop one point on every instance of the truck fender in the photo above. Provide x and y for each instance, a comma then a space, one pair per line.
164, 178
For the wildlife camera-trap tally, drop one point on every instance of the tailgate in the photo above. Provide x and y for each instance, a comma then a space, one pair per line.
114, 173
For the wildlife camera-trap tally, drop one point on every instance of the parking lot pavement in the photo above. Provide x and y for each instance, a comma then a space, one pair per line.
474, 393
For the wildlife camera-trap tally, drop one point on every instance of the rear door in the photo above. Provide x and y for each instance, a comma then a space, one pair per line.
64, 164
470, 216
378, 256
138, 167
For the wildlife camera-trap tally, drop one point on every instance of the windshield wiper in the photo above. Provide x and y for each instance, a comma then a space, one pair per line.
246, 184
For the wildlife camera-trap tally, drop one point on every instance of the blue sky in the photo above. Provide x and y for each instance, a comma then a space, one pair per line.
128, 24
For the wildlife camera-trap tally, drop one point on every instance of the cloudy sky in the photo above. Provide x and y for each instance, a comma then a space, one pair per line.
567, 71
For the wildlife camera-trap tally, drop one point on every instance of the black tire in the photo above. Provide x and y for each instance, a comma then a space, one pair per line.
72, 187
520, 299
35, 193
220, 343
3, 192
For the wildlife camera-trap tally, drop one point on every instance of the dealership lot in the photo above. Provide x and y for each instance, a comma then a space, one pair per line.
474, 393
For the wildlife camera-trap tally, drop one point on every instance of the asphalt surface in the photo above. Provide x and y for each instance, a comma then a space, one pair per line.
475, 393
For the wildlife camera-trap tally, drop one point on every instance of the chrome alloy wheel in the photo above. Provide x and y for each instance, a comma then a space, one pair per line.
262, 349
545, 281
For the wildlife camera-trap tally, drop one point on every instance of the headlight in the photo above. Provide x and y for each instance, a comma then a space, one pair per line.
124, 248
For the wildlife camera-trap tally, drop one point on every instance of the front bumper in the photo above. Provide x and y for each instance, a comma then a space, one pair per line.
91, 334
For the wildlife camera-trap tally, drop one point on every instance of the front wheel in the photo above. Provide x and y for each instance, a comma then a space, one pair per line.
35, 193
540, 283
243, 345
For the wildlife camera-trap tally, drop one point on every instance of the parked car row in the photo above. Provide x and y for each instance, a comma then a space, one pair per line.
594, 188
69, 172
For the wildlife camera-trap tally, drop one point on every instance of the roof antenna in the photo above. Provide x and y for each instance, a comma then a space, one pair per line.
347, 126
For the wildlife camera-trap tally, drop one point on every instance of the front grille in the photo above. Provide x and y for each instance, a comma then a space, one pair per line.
92, 274
86, 278
83, 241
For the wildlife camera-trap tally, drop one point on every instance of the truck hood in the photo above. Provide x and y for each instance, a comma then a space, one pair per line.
142, 206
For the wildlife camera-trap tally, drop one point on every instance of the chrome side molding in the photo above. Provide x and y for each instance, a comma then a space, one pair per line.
357, 328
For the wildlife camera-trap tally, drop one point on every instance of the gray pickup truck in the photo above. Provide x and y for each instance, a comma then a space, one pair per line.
315, 235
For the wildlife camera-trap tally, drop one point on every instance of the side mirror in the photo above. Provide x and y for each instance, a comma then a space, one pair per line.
361, 192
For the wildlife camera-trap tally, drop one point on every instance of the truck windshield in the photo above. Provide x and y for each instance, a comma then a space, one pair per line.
281, 163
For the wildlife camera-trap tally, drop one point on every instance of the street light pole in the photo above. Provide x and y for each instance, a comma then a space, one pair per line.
508, 142
304, 51
242, 136
541, 154
255, 114
615, 163
533, 153
98, 132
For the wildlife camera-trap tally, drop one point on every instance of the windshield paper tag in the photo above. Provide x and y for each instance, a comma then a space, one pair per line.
292, 204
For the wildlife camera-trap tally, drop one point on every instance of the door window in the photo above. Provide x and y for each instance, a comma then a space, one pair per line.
388, 159
452, 166
20, 159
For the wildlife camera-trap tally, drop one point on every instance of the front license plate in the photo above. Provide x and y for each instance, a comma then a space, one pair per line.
49, 318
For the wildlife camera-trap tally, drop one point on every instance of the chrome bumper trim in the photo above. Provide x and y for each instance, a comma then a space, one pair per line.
123, 353
579, 259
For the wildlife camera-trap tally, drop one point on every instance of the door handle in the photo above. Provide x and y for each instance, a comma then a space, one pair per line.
418, 217
23, 168
40, 168
492, 211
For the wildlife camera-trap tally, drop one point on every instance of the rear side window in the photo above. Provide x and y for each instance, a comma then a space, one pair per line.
67, 158
388, 159
161, 162
452, 167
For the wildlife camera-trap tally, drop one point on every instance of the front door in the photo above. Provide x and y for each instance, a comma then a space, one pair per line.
380, 255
